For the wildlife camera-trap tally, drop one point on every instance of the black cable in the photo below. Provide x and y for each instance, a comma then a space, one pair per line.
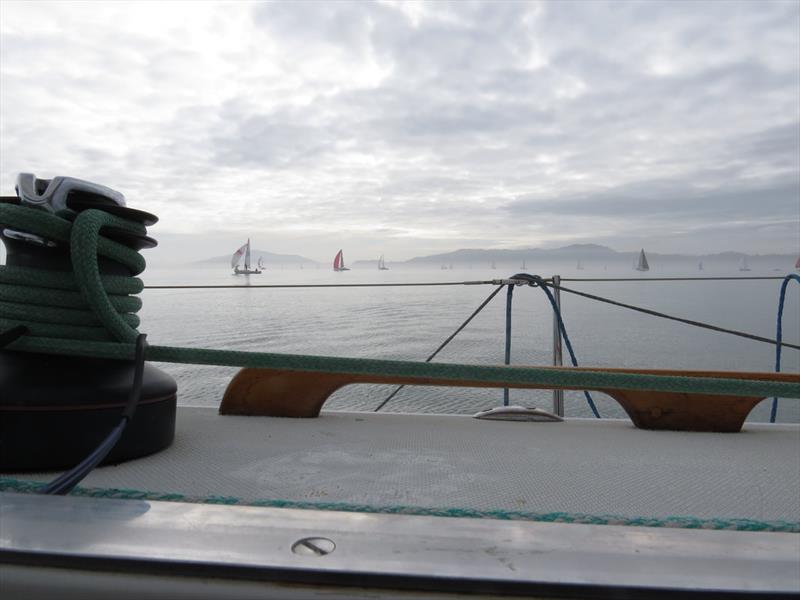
444, 343
442, 283
655, 313
67, 481
646, 279
318, 285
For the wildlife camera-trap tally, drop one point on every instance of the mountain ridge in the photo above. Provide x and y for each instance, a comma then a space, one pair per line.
587, 252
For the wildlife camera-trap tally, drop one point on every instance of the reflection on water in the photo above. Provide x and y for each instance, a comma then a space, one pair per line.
410, 322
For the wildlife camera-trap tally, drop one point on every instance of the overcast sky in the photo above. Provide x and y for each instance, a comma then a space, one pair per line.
415, 128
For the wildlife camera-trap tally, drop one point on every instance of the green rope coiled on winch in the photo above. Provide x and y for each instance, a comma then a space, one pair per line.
86, 314
80, 305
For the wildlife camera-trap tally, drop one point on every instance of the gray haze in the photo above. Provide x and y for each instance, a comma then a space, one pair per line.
416, 128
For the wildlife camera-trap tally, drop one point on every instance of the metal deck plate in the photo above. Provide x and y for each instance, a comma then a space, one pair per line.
390, 551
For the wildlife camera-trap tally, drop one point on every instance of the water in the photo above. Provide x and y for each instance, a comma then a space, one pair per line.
410, 322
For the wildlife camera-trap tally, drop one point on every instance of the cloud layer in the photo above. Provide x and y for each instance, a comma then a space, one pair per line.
410, 128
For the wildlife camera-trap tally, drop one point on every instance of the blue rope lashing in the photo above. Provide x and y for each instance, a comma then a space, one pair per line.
779, 337
535, 279
509, 296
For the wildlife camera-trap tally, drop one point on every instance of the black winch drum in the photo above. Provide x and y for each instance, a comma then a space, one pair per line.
55, 410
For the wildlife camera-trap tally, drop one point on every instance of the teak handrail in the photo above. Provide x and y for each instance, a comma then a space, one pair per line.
290, 393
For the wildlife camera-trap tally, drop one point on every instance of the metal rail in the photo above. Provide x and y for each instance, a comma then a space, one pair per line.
558, 358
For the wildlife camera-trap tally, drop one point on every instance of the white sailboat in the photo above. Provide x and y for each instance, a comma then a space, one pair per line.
382, 264
642, 264
579, 266
700, 266
338, 262
743, 266
243, 252
261, 263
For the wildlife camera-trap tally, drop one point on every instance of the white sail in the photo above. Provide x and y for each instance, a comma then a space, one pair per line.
237, 256
642, 265
247, 255
743, 266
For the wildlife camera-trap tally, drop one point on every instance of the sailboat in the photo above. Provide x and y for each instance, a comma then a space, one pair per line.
338, 262
743, 266
244, 251
579, 266
642, 264
261, 262
382, 264
700, 266
797, 264
523, 265
494, 266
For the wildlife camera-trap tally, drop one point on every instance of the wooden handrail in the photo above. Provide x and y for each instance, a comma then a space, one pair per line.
288, 393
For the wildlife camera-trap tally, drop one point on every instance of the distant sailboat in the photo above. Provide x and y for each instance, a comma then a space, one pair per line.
579, 266
797, 265
700, 266
382, 264
261, 262
523, 265
642, 264
743, 266
494, 266
338, 262
244, 251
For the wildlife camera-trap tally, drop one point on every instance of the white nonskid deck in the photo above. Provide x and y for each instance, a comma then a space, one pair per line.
455, 462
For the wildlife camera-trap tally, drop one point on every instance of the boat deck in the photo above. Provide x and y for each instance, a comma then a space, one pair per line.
582, 470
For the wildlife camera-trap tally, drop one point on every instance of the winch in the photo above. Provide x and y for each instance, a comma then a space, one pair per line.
54, 409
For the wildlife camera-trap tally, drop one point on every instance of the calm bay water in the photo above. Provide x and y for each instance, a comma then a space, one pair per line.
409, 323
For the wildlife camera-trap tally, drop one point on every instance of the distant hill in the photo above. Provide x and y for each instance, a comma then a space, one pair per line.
480, 255
587, 253
573, 251
269, 258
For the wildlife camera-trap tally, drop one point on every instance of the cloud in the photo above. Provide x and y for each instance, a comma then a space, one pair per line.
436, 123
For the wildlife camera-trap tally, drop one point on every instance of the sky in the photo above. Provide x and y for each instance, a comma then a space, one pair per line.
413, 128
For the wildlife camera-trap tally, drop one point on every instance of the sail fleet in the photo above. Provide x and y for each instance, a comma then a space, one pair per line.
240, 263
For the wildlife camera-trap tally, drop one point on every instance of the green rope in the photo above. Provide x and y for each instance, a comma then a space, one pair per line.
545, 376
8, 484
86, 314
